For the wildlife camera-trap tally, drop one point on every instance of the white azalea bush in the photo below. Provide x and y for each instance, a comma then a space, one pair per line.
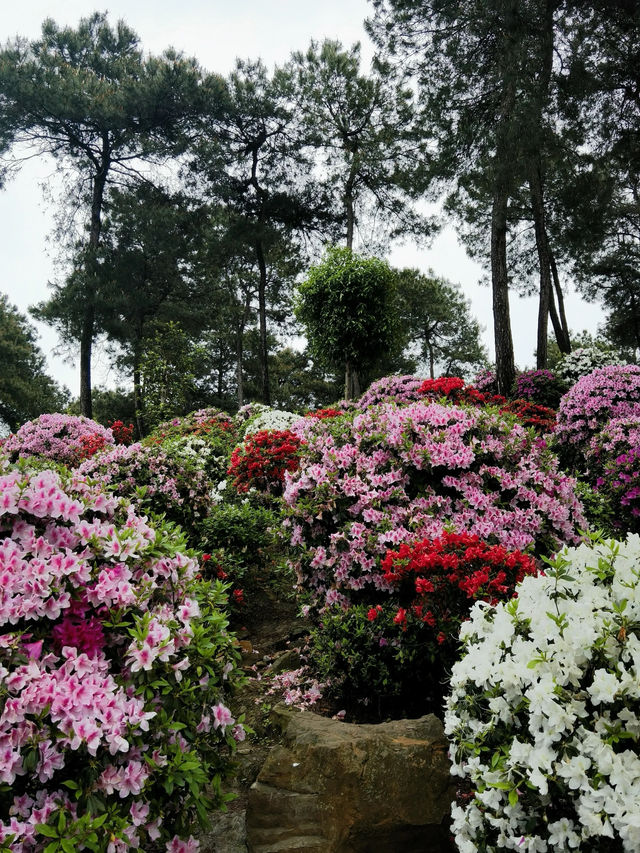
544, 710
265, 418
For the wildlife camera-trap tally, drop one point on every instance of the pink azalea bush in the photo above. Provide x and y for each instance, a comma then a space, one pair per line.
392, 475
392, 389
66, 439
113, 665
614, 460
173, 485
606, 393
539, 386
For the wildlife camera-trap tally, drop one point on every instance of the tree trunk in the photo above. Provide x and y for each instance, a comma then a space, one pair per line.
351, 382
544, 261
565, 346
88, 318
505, 366
265, 391
349, 202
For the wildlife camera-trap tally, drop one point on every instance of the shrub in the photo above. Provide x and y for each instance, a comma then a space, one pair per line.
544, 711
177, 488
391, 389
65, 439
539, 386
583, 361
394, 657
606, 393
392, 475
122, 434
540, 418
114, 662
266, 418
260, 463
486, 381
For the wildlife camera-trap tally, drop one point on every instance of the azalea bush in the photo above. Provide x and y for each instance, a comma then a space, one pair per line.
539, 386
541, 418
614, 462
122, 434
392, 475
175, 487
115, 664
394, 657
606, 393
256, 417
585, 360
391, 389
65, 439
544, 711
261, 461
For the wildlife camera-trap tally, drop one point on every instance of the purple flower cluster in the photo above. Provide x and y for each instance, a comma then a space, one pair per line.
614, 458
539, 386
397, 474
62, 438
392, 389
486, 381
99, 610
606, 393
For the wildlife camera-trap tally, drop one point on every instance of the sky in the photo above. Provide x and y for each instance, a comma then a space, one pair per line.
216, 32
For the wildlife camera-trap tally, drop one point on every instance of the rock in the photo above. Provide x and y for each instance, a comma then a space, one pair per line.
286, 661
227, 834
336, 787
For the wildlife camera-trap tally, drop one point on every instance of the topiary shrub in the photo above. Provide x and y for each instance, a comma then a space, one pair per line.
114, 664
539, 386
65, 439
544, 711
606, 393
393, 475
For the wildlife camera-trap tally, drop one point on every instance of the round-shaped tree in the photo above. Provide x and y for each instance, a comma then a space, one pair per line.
347, 308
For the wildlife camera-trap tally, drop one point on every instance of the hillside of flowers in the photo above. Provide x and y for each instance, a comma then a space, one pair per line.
452, 551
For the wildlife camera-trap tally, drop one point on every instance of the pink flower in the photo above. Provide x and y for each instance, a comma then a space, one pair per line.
221, 717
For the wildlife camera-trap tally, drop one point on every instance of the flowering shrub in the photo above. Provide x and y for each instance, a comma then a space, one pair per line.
67, 439
541, 418
260, 463
454, 389
112, 669
393, 657
544, 711
486, 381
159, 483
583, 361
205, 423
269, 419
608, 392
122, 434
392, 475
614, 461
539, 386
391, 389
320, 414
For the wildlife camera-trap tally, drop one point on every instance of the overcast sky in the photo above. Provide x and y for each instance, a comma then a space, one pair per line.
216, 32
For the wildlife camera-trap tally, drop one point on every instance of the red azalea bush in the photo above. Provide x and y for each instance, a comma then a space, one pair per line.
541, 418
393, 657
260, 463
437, 581
121, 433
66, 439
322, 414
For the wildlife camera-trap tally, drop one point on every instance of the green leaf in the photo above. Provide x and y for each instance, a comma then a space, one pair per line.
47, 831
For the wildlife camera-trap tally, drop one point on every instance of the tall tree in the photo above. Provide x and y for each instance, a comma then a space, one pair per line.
363, 127
90, 99
438, 325
25, 389
253, 164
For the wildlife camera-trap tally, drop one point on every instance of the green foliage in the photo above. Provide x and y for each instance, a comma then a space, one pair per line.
347, 308
438, 325
25, 389
109, 405
374, 669
599, 509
